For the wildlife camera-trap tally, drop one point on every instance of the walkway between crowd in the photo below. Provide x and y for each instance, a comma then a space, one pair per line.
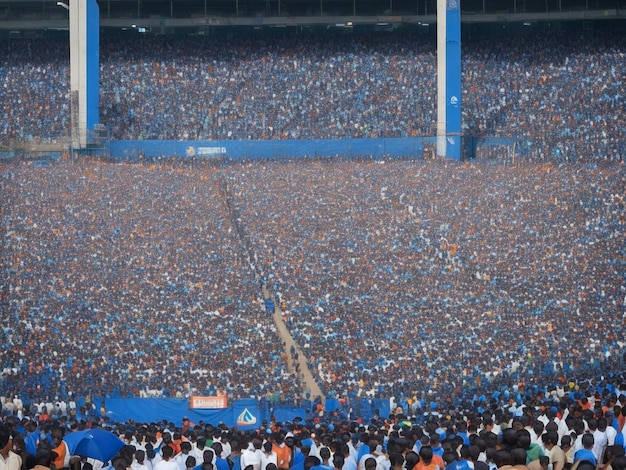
292, 349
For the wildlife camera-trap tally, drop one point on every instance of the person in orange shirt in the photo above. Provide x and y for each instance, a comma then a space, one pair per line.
177, 439
282, 451
168, 441
62, 460
585, 403
427, 461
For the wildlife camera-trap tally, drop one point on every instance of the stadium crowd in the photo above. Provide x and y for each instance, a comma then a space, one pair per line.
551, 432
562, 94
400, 278
117, 278
405, 278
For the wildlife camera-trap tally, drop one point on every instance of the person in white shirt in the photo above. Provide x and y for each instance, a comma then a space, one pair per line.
353, 450
73, 411
152, 457
252, 455
167, 462
578, 426
63, 408
382, 459
600, 440
139, 461
185, 451
19, 405
95, 463
9, 460
226, 447
197, 448
536, 431
611, 432
268, 456
8, 407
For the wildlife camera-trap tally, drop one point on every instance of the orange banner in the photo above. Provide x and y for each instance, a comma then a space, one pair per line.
208, 402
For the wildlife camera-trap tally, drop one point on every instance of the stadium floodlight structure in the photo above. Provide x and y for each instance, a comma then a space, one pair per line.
84, 69
449, 79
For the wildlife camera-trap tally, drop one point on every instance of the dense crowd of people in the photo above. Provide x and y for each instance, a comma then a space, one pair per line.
548, 432
404, 278
560, 94
399, 278
124, 279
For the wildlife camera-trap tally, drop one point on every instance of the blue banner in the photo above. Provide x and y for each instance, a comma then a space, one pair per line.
453, 78
236, 149
247, 414
147, 410
93, 64
284, 415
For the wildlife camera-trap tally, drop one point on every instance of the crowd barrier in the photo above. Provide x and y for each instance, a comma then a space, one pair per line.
237, 150
234, 150
416, 147
242, 413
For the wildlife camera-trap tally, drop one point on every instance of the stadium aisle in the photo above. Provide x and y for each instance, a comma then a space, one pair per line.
311, 386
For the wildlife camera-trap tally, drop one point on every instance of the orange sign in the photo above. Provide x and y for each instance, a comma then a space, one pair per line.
208, 402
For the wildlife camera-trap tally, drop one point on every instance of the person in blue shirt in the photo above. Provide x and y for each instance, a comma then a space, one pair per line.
207, 460
234, 459
299, 454
586, 453
435, 444
368, 444
32, 437
461, 430
220, 462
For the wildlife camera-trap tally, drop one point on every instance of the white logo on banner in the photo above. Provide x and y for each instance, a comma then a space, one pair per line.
246, 418
452, 4
454, 101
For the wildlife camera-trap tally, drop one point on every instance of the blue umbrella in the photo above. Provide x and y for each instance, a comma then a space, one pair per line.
95, 443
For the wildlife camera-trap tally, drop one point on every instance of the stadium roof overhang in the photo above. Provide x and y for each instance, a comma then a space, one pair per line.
58, 20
